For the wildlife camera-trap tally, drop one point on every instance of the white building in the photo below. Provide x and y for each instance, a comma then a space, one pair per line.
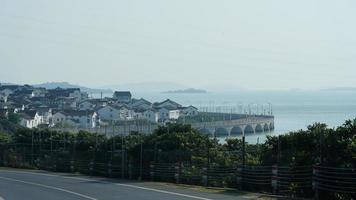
151, 115
46, 114
82, 119
168, 114
125, 113
38, 92
30, 119
108, 113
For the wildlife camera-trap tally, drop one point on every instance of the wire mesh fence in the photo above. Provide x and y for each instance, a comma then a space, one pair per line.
304, 181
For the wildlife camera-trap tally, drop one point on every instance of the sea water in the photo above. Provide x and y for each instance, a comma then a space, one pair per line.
293, 110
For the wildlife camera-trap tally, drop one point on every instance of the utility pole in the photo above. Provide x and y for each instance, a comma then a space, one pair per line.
243, 151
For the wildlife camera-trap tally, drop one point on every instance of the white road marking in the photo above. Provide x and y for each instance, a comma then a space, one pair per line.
49, 187
162, 191
118, 184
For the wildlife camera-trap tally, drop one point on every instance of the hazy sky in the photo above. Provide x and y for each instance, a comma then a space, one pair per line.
259, 44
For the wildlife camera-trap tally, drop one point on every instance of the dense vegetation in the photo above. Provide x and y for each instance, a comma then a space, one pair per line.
175, 143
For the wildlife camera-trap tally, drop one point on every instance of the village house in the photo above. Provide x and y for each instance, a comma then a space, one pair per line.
74, 93
169, 104
142, 104
115, 113
122, 96
80, 119
151, 115
189, 111
86, 105
66, 103
168, 114
71, 107
108, 113
125, 113
46, 114
30, 119
39, 92
91, 104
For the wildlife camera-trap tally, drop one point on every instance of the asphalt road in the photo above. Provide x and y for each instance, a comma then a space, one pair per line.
40, 185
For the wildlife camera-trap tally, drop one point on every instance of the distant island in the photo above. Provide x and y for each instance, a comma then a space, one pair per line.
186, 91
65, 85
340, 89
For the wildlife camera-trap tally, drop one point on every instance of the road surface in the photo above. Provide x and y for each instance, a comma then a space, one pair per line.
41, 185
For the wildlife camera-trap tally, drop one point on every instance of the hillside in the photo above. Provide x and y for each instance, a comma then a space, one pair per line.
52, 85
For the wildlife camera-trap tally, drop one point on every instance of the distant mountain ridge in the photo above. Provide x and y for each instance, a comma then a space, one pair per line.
53, 85
147, 86
186, 91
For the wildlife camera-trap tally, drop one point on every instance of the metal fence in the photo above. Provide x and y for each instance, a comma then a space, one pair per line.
302, 181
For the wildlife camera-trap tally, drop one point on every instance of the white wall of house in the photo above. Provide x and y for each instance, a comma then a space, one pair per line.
174, 114
85, 121
28, 123
126, 114
47, 117
32, 123
151, 116
163, 114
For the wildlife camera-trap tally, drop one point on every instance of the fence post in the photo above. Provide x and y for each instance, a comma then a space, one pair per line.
177, 172
275, 178
152, 171
72, 166
109, 169
91, 167
315, 182
239, 172
205, 176
130, 170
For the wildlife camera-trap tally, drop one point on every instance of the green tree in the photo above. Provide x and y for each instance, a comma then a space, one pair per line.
4, 138
14, 118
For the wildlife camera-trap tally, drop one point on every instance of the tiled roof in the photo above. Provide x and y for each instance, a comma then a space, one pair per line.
76, 112
122, 93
